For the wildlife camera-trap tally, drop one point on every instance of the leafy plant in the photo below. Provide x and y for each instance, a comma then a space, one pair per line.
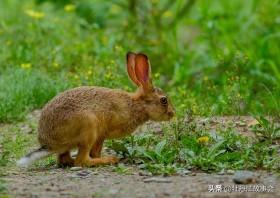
3, 189
171, 152
267, 129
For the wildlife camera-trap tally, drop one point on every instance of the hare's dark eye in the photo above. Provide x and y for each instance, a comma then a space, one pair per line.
163, 100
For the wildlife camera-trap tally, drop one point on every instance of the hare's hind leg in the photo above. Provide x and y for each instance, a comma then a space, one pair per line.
84, 159
95, 153
96, 149
65, 159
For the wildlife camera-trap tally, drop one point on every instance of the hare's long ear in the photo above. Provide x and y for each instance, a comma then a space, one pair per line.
143, 71
130, 66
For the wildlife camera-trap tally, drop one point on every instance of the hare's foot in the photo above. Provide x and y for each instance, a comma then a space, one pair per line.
83, 159
109, 160
106, 160
65, 159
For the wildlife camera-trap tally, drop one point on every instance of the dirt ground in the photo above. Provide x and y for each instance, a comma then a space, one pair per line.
105, 182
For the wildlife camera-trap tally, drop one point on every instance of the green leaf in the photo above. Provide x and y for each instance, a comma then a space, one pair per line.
119, 147
160, 146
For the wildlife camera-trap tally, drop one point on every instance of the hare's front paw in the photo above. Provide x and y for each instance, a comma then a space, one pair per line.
111, 159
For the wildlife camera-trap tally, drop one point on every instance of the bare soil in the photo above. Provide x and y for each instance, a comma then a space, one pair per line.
103, 182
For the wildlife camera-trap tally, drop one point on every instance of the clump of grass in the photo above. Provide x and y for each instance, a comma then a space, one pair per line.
24, 90
3, 189
192, 148
15, 142
267, 129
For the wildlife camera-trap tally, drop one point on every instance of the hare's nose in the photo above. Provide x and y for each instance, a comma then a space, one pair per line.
170, 113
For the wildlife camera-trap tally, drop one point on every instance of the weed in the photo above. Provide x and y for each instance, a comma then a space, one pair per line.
3, 189
169, 153
267, 129
122, 169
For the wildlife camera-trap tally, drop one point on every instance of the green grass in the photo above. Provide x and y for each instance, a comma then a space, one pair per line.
218, 56
3, 189
21, 91
267, 129
180, 148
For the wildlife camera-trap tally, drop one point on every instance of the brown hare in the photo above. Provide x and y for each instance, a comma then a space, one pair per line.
84, 117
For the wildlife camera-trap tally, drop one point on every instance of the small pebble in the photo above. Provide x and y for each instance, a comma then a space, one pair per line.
143, 173
76, 168
193, 174
230, 172
244, 177
83, 173
184, 172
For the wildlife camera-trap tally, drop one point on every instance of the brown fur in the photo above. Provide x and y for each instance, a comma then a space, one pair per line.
84, 117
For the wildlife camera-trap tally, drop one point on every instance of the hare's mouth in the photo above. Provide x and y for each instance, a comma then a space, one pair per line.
170, 114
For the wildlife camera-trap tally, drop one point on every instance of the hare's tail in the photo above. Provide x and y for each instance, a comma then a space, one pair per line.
33, 156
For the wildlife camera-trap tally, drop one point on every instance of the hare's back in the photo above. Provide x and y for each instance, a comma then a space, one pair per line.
76, 99
72, 104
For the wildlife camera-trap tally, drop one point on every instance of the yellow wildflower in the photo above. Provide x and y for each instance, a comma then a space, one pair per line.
167, 14
104, 39
35, 14
203, 139
182, 106
157, 75
55, 64
109, 76
118, 48
154, 42
155, 1
89, 72
69, 7
76, 77
9, 43
115, 9
125, 23
25, 65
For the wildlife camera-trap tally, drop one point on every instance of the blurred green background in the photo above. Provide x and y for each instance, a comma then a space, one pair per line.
214, 57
